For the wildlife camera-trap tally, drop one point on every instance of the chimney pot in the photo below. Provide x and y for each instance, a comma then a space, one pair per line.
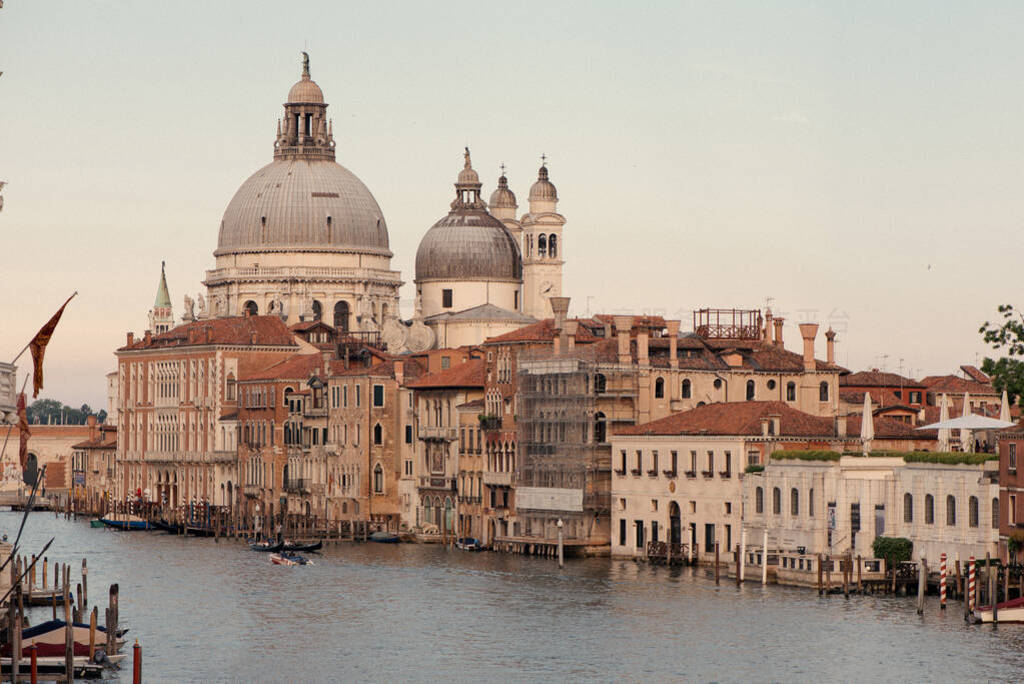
809, 331
623, 324
673, 343
131, 339
400, 372
830, 346
643, 347
768, 330
559, 307
778, 323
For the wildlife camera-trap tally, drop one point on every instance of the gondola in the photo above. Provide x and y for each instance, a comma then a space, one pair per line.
49, 636
132, 523
169, 528
268, 546
382, 537
295, 546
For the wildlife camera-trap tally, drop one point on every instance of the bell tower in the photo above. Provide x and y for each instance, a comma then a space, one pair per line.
542, 247
161, 316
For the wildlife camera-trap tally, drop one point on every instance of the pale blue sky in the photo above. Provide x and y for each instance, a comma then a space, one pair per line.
858, 162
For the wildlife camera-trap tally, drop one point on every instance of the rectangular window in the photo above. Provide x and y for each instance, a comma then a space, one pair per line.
378, 395
810, 503
623, 461
639, 461
408, 467
654, 531
753, 457
711, 462
654, 505
446, 362
693, 462
446, 298
1012, 513
675, 462
622, 532
359, 395
408, 434
654, 462
728, 463
344, 396
639, 533
1011, 461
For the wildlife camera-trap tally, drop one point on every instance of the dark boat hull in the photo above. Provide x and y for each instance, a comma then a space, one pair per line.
267, 548
303, 547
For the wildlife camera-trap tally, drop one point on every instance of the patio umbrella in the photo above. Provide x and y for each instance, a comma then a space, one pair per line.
867, 425
965, 434
1004, 409
970, 422
944, 416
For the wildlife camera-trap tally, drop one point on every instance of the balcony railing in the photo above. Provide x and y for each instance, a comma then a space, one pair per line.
497, 479
297, 485
490, 423
251, 490
449, 434
437, 482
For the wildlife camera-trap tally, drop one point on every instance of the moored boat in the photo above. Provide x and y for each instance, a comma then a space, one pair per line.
272, 547
1008, 611
289, 559
169, 528
130, 523
296, 546
469, 544
382, 537
96, 523
49, 636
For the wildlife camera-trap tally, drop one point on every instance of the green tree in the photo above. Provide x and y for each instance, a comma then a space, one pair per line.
1007, 372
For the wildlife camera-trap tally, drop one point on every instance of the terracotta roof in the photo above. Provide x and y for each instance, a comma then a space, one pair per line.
234, 331
101, 441
957, 385
303, 326
888, 428
736, 418
298, 366
976, 374
541, 331
471, 373
876, 378
385, 369
475, 404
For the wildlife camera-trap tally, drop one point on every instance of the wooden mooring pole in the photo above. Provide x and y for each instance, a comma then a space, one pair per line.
716, 562
922, 574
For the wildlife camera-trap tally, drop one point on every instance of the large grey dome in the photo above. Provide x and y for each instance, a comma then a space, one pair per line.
303, 205
468, 244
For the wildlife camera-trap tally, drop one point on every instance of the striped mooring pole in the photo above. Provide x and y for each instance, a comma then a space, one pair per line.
970, 584
942, 582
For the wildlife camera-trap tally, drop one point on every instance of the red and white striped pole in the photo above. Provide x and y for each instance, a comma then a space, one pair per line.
942, 582
970, 584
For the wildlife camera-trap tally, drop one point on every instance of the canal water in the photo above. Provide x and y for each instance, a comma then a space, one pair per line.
209, 611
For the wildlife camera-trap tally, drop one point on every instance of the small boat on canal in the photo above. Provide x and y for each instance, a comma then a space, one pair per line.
382, 537
297, 546
96, 523
169, 528
130, 523
49, 636
267, 546
289, 559
469, 544
1008, 611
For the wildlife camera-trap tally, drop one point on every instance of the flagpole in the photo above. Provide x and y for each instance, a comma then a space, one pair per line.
25, 348
11, 427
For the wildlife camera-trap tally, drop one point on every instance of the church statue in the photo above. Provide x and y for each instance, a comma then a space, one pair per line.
202, 305
190, 314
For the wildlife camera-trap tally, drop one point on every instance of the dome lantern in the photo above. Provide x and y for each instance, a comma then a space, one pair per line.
305, 132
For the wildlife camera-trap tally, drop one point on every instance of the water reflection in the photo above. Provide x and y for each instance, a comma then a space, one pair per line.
218, 612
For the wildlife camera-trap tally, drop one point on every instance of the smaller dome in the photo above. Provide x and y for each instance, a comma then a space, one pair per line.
468, 176
543, 189
306, 90
502, 196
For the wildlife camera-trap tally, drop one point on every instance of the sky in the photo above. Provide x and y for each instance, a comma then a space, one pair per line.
852, 164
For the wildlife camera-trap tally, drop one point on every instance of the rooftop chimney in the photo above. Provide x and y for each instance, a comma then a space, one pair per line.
768, 332
399, 371
643, 346
623, 324
830, 346
131, 339
778, 330
148, 337
809, 331
673, 343
571, 327
560, 307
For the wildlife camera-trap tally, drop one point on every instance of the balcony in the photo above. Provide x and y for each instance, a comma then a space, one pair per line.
620, 471
670, 474
707, 473
437, 482
725, 474
497, 479
448, 434
490, 423
636, 471
653, 472
297, 485
691, 474
252, 491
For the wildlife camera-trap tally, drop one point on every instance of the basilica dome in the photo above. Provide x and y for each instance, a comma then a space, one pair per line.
468, 243
303, 205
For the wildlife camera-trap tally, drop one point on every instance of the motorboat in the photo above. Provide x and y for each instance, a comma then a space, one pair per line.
289, 559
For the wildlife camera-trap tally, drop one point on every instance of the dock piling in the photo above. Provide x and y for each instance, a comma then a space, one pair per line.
922, 575
942, 581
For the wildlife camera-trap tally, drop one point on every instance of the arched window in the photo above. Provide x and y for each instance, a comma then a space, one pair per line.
341, 317
777, 501
659, 388
951, 510
542, 245
229, 391
929, 509
908, 508
790, 391
823, 392
600, 383
251, 308
553, 246
750, 390
378, 434
995, 513
318, 310
378, 479
686, 390
759, 500
972, 511
794, 502
287, 395
600, 428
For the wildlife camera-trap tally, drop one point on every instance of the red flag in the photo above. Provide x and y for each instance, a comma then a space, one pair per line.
38, 347
23, 431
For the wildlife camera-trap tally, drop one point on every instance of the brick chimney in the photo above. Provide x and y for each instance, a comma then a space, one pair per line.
91, 422
830, 346
809, 331
560, 307
399, 371
643, 346
148, 337
131, 339
571, 327
778, 330
673, 343
623, 324
768, 332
